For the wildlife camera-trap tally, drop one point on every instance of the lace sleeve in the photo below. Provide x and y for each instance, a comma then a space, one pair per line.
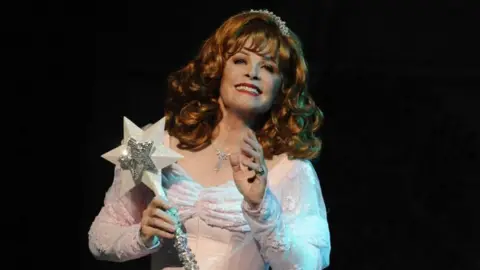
291, 226
114, 233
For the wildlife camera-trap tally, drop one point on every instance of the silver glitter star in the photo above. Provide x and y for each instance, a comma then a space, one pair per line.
141, 156
137, 158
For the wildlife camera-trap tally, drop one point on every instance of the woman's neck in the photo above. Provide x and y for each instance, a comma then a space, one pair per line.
231, 129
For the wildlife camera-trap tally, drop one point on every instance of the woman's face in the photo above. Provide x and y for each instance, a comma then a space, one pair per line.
250, 82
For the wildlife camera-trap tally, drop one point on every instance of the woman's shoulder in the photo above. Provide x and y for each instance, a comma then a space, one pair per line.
288, 168
288, 163
170, 140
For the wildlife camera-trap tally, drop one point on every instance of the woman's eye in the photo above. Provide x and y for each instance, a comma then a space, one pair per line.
239, 61
269, 68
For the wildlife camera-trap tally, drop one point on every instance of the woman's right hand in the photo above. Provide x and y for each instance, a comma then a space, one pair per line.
156, 222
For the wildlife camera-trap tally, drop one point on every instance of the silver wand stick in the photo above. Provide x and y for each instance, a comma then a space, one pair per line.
185, 254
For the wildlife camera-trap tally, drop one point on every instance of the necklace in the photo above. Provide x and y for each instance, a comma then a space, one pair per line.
221, 156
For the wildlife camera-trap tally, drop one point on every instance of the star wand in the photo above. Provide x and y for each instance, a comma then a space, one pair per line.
141, 157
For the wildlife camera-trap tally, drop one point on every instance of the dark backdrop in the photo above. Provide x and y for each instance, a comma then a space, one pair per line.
397, 81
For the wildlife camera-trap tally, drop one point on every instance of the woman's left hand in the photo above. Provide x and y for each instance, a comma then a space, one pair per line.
250, 170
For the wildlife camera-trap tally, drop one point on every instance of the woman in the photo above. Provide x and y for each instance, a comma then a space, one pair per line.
245, 191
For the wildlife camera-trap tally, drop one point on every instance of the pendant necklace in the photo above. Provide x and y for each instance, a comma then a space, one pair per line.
221, 155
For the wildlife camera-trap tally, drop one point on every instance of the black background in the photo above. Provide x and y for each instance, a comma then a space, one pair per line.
396, 80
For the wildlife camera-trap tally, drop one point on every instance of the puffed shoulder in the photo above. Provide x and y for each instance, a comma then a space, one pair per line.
288, 170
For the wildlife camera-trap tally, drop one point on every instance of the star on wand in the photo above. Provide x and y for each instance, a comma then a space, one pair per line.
141, 156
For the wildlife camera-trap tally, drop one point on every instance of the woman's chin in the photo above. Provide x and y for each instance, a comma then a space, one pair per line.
244, 106
249, 110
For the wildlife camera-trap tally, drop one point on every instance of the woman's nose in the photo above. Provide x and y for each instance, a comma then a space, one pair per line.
253, 73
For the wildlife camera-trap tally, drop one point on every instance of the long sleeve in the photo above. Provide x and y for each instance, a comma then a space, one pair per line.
290, 225
114, 233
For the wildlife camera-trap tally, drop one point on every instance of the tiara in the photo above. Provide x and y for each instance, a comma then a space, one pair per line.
278, 21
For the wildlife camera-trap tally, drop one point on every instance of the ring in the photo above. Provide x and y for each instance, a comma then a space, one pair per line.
260, 171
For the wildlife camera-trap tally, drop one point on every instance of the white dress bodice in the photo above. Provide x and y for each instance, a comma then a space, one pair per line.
217, 232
